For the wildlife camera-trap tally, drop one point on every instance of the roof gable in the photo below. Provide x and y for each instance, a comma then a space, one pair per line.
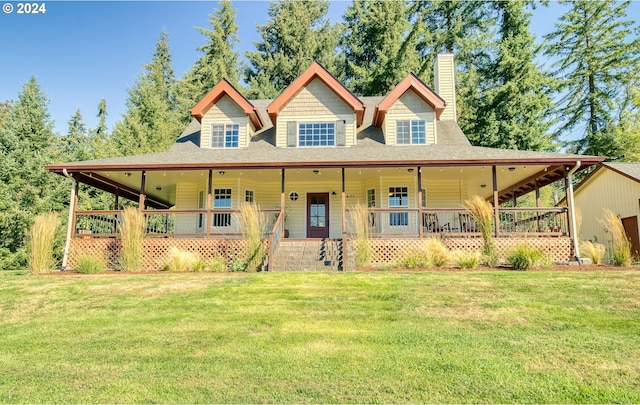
220, 90
411, 82
314, 71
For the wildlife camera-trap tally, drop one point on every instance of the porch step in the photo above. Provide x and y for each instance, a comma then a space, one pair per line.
308, 254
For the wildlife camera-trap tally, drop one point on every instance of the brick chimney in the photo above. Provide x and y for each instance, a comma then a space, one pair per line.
445, 85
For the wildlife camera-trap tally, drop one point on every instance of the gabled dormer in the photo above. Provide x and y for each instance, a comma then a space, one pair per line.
227, 118
316, 110
408, 114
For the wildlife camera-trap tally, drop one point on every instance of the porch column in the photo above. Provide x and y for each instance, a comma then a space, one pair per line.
141, 199
567, 186
209, 203
420, 230
116, 206
515, 213
496, 214
573, 231
282, 201
344, 224
71, 223
537, 205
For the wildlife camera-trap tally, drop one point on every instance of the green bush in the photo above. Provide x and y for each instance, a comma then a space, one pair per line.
238, 265
524, 257
88, 264
432, 253
217, 264
467, 259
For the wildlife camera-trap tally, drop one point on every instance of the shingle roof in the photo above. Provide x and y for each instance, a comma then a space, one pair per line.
452, 148
630, 169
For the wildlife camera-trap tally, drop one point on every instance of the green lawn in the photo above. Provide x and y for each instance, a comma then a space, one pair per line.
382, 337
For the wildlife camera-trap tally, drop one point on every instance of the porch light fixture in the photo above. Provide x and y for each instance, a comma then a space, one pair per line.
410, 170
127, 174
158, 188
511, 169
221, 172
334, 193
316, 172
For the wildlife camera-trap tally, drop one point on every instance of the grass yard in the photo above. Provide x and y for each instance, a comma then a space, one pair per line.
380, 337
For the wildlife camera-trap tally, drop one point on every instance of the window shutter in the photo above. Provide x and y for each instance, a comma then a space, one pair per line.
292, 133
341, 133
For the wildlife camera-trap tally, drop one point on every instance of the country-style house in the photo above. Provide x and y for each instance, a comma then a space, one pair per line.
309, 155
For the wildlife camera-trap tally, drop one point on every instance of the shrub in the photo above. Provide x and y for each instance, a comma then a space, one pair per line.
252, 223
238, 265
482, 213
594, 251
620, 253
42, 237
182, 260
360, 222
217, 263
131, 234
88, 264
524, 257
467, 259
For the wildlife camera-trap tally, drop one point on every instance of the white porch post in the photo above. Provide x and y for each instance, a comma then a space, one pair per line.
344, 224
71, 222
573, 231
420, 207
496, 214
209, 203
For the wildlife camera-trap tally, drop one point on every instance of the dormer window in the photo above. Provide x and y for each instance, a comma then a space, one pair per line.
317, 134
224, 135
410, 132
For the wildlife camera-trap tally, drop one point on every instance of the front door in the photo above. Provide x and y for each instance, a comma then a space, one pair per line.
318, 215
630, 225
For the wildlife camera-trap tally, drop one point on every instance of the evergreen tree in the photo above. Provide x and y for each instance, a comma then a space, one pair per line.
514, 110
27, 143
100, 143
377, 47
218, 62
297, 33
152, 122
597, 59
75, 144
627, 131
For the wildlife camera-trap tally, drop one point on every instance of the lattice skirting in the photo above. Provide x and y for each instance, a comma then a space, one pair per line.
385, 251
155, 250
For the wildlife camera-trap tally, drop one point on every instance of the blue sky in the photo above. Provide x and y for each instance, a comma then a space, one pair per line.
81, 51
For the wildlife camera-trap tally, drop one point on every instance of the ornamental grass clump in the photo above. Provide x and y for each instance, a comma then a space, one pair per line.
182, 260
360, 221
131, 235
42, 237
252, 223
482, 213
620, 253
594, 251
524, 257
89, 264
432, 253
467, 259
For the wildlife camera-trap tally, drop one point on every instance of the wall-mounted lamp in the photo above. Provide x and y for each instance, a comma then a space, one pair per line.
334, 193
127, 174
316, 172
158, 188
410, 170
511, 169
221, 172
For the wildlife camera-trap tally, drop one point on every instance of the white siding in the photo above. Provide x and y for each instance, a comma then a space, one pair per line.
226, 111
409, 107
315, 103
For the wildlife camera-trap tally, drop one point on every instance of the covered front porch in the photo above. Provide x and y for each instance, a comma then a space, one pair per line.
194, 207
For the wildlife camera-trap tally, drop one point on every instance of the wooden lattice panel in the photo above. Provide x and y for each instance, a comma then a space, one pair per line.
385, 251
156, 250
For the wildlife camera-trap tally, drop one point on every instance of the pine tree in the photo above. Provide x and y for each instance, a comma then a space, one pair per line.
75, 144
27, 143
152, 122
627, 131
218, 62
297, 33
515, 108
597, 59
377, 47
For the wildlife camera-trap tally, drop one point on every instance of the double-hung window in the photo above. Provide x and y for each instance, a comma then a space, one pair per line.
224, 135
398, 197
221, 199
317, 134
410, 132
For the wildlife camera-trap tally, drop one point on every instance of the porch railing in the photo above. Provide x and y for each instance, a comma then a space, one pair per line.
167, 223
411, 222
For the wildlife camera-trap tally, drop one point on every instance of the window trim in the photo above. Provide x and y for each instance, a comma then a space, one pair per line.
411, 123
225, 128
327, 123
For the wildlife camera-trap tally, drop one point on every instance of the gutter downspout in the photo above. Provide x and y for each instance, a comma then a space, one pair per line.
571, 204
67, 243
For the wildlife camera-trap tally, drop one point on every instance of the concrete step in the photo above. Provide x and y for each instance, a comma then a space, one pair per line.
314, 254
